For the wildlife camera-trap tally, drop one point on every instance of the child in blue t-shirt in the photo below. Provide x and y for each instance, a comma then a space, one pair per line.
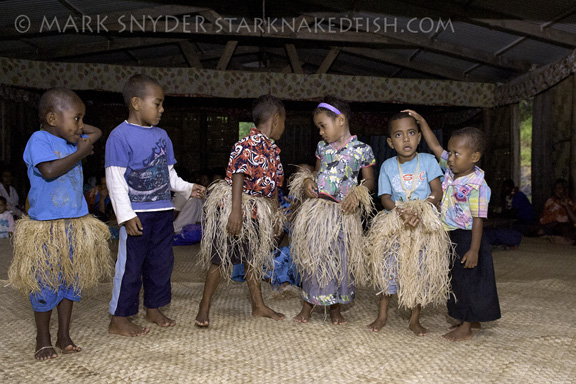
408, 176
59, 249
140, 176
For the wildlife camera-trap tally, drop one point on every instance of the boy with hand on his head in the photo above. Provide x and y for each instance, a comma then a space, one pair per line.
59, 249
140, 176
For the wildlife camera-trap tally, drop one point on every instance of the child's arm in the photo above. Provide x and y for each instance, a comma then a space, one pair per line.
234, 225
470, 259
178, 185
92, 132
429, 136
56, 168
435, 192
310, 188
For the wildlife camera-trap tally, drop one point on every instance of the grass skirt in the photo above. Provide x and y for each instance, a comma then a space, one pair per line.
255, 242
49, 253
317, 225
419, 257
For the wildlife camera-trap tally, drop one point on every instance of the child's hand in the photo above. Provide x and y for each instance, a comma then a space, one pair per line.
134, 227
349, 204
85, 147
419, 119
409, 217
470, 259
234, 225
310, 188
198, 191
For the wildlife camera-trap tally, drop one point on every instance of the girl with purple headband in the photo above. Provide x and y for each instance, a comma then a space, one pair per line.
327, 229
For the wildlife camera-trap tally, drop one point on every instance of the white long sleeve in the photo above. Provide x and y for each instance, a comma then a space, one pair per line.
118, 192
179, 186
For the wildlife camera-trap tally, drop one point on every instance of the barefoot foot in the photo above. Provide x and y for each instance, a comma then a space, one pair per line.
265, 311
377, 324
124, 327
461, 333
45, 353
202, 320
336, 317
67, 346
153, 315
475, 325
304, 314
417, 328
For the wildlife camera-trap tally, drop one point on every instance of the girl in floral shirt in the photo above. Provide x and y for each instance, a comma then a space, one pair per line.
327, 232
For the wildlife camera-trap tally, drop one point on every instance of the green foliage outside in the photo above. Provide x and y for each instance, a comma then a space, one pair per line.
244, 129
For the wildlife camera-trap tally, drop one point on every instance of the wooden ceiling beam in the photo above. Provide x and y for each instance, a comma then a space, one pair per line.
454, 50
190, 53
227, 55
293, 58
328, 61
399, 61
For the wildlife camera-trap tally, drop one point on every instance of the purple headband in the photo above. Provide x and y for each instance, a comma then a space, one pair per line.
329, 107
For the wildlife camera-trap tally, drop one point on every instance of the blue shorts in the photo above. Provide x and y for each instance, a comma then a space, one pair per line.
47, 299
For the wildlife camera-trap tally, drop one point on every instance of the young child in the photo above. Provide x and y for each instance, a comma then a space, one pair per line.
59, 249
464, 207
406, 180
6, 220
242, 213
326, 242
140, 175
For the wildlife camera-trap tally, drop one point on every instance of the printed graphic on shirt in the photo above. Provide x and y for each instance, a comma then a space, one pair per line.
151, 182
408, 182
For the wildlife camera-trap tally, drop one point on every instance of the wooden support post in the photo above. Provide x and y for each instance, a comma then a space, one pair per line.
542, 167
515, 142
227, 55
573, 141
293, 57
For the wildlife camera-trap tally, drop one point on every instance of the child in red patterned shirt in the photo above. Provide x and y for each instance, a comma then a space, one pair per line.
241, 210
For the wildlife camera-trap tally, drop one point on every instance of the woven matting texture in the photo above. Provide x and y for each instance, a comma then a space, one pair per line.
534, 342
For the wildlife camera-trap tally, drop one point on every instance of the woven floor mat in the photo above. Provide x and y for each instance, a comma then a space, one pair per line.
534, 342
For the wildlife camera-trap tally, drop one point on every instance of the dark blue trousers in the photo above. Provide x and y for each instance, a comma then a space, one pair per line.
144, 260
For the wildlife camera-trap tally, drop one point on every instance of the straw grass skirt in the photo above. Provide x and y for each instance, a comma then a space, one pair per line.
326, 244
417, 258
255, 243
73, 252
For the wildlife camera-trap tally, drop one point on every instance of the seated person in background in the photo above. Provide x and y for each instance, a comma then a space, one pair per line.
102, 203
559, 215
6, 220
515, 219
9, 193
515, 205
189, 211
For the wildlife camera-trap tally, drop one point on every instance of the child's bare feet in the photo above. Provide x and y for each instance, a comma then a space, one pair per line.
45, 353
202, 319
461, 333
474, 325
66, 345
417, 328
124, 327
304, 314
377, 324
264, 311
153, 315
335, 315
